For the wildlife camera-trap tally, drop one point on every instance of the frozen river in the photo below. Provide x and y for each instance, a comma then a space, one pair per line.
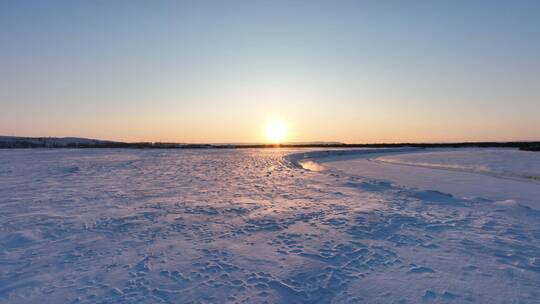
249, 226
494, 174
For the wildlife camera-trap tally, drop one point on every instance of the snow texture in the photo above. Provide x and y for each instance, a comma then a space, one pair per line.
503, 163
494, 174
249, 226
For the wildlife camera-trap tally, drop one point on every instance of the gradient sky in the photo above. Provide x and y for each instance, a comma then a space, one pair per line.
216, 71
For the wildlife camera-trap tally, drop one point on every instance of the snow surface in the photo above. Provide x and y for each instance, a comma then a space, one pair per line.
250, 226
503, 163
494, 174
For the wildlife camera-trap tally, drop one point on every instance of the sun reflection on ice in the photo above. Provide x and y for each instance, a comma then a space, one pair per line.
311, 165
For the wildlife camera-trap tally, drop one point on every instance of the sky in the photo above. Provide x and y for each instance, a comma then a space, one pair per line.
220, 71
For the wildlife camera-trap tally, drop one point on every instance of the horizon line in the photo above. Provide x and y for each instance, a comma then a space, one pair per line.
314, 143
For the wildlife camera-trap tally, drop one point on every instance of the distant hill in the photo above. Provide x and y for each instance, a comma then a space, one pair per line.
49, 142
14, 142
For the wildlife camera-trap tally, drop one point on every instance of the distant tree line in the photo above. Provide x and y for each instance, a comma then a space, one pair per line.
535, 148
22, 144
26, 142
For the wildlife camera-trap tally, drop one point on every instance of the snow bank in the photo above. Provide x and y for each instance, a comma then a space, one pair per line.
504, 163
312, 160
454, 171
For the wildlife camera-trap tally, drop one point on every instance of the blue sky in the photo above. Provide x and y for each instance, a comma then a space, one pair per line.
217, 71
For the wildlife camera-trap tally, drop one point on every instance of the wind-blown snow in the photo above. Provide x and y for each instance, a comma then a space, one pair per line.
248, 226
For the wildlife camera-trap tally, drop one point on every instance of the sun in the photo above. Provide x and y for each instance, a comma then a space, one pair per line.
276, 131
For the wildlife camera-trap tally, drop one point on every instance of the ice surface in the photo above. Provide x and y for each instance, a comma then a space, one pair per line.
495, 174
248, 226
504, 163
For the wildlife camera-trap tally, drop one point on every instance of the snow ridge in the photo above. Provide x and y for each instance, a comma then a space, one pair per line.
523, 174
319, 156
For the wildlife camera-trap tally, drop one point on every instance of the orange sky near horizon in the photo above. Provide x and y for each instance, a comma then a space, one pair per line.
200, 72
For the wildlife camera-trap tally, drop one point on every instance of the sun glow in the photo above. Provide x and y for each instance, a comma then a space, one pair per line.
276, 131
